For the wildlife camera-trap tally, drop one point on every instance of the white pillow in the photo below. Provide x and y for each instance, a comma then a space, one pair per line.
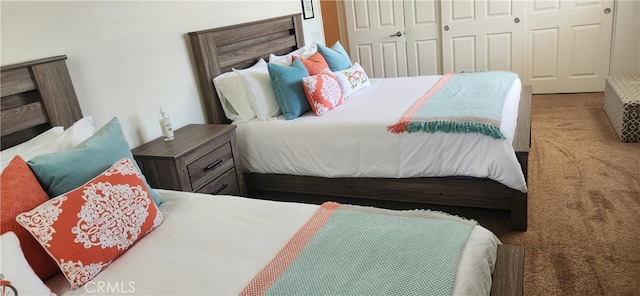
16, 269
229, 111
285, 60
230, 88
352, 79
75, 134
24, 148
257, 85
45, 143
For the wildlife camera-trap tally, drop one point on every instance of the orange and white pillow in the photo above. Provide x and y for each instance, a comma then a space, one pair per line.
85, 229
323, 92
19, 192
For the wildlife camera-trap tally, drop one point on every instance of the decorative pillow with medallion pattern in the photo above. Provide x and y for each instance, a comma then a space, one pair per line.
323, 92
87, 228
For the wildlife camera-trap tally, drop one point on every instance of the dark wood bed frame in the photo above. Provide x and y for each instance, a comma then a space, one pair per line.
219, 50
36, 96
39, 94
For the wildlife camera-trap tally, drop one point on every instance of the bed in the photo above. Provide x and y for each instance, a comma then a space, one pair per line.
174, 257
217, 51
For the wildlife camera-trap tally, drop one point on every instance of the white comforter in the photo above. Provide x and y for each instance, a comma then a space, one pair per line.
214, 245
352, 141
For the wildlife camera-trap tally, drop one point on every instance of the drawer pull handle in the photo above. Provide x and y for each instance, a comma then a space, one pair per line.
223, 187
214, 164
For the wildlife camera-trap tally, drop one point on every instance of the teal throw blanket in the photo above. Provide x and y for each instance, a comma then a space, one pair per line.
460, 103
350, 250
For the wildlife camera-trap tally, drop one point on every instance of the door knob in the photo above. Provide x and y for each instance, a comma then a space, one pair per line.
516, 20
446, 28
397, 34
607, 10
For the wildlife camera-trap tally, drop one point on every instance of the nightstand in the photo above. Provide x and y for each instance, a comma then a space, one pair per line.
202, 158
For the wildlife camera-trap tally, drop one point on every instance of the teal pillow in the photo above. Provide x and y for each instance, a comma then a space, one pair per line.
286, 82
61, 172
336, 56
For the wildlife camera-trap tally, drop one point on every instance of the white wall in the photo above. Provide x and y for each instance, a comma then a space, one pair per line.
127, 59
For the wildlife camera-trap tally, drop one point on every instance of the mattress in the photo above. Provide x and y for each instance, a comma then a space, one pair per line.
352, 140
215, 245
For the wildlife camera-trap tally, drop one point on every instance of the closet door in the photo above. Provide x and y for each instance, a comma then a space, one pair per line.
422, 32
376, 36
482, 35
567, 45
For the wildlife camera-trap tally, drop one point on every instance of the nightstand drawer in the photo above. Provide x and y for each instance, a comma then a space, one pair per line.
225, 184
201, 158
210, 166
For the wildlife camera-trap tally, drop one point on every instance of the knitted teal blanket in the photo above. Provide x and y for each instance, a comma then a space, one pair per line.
460, 103
350, 250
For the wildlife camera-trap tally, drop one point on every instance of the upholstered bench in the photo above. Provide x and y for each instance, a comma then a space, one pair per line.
622, 105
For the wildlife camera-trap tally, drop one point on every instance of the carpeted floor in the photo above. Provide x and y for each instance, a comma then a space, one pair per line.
584, 202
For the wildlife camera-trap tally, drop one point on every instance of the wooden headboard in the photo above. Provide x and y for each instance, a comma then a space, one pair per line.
36, 96
239, 46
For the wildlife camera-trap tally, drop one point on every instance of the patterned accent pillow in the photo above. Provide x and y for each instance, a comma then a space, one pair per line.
314, 64
85, 229
323, 92
19, 192
352, 79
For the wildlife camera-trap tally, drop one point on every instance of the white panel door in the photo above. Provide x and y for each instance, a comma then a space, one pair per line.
376, 36
422, 33
567, 45
482, 35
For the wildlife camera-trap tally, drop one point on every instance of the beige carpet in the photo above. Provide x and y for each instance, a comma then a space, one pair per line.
584, 202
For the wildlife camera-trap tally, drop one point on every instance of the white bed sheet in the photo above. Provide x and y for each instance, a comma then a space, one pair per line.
214, 245
352, 141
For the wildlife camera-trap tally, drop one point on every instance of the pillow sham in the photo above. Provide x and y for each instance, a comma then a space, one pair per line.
87, 228
314, 64
287, 85
352, 79
62, 171
16, 269
261, 96
323, 92
285, 60
64, 140
75, 134
33, 144
233, 97
19, 192
336, 56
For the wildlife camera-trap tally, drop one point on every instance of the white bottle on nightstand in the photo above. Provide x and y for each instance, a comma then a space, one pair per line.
165, 125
